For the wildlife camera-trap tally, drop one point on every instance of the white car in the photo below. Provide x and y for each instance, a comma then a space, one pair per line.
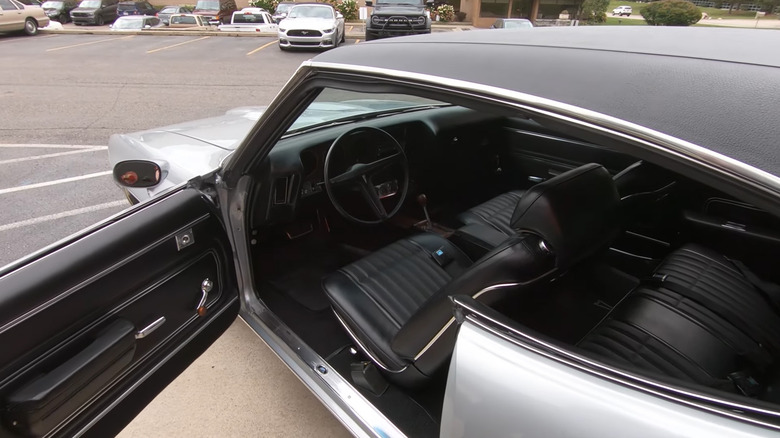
622, 10
250, 20
311, 26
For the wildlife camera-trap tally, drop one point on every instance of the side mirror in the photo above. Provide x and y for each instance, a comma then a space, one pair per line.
339, 15
137, 173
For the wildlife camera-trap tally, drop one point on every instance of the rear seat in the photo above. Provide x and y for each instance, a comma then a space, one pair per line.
700, 319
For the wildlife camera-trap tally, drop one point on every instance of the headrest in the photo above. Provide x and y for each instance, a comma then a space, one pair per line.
575, 213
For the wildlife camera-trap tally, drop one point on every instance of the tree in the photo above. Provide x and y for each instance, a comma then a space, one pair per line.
594, 11
671, 13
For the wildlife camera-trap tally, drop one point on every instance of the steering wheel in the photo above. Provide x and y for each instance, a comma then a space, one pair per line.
361, 175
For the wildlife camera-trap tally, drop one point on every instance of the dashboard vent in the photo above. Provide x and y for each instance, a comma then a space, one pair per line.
281, 190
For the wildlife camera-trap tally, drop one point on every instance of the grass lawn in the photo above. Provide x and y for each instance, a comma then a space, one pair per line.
712, 12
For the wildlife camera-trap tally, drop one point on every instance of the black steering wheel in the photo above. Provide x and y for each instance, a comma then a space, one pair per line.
362, 174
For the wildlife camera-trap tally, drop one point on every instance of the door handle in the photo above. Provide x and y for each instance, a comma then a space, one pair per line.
205, 287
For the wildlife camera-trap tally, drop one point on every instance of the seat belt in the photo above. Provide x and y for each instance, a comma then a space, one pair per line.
770, 290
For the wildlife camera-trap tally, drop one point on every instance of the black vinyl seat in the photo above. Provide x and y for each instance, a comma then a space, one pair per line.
395, 302
496, 212
700, 319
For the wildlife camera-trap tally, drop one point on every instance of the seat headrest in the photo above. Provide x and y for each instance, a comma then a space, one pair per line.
575, 213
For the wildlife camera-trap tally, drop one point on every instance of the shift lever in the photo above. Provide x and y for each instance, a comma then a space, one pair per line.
423, 201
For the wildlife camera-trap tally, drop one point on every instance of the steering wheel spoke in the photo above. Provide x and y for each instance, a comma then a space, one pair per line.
361, 169
372, 197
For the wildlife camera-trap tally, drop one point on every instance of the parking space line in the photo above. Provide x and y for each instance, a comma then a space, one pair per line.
177, 45
51, 146
261, 48
63, 214
350, 28
53, 183
357, 41
56, 154
89, 43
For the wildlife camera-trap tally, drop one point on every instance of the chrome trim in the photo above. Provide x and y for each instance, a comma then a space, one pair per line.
615, 375
591, 120
366, 350
452, 319
146, 331
630, 254
556, 138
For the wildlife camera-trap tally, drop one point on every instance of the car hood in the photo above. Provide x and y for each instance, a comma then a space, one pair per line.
398, 10
79, 9
307, 23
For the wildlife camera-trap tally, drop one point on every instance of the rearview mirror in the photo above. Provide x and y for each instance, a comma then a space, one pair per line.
137, 173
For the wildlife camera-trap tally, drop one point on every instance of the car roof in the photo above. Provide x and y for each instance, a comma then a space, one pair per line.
717, 88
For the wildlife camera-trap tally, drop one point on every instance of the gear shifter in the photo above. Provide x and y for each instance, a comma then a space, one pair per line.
423, 201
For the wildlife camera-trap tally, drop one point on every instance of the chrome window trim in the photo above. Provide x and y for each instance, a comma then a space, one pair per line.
591, 120
452, 319
677, 394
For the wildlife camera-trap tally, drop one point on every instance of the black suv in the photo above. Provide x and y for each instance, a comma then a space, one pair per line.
135, 8
94, 12
397, 17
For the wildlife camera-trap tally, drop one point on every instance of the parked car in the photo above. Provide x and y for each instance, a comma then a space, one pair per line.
165, 13
135, 8
622, 10
30, 2
59, 10
281, 11
215, 11
389, 18
439, 249
512, 23
15, 16
188, 21
135, 23
312, 26
96, 12
250, 20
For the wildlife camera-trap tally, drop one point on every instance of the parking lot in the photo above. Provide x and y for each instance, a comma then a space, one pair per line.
61, 97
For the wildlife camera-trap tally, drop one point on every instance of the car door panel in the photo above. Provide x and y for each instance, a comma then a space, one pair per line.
83, 323
540, 156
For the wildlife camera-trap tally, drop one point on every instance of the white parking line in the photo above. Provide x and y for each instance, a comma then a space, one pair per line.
55, 182
51, 146
177, 45
64, 214
58, 154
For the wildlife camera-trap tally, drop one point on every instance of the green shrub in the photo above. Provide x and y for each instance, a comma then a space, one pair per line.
348, 8
268, 5
671, 13
446, 12
594, 11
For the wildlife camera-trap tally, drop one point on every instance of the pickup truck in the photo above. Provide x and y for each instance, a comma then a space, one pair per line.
249, 20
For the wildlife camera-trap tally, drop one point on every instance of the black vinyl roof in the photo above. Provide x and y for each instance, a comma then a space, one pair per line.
715, 87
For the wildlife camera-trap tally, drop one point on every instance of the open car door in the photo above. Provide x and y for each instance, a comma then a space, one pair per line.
93, 327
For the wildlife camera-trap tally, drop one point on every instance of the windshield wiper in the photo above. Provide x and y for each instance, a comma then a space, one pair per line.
362, 117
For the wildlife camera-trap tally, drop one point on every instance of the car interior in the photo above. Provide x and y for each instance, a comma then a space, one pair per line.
364, 227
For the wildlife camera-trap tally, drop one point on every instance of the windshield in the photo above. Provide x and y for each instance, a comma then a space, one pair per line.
283, 8
247, 18
129, 23
52, 4
311, 12
90, 4
517, 24
207, 5
170, 10
334, 105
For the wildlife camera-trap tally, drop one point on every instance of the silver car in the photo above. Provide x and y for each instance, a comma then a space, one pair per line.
311, 26
467, 252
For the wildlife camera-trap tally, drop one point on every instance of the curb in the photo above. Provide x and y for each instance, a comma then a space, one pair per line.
355, 34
